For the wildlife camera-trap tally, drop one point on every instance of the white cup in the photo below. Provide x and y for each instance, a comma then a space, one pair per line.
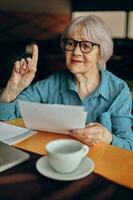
65, 155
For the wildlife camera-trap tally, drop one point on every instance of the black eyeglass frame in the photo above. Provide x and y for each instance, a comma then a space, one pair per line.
80, 43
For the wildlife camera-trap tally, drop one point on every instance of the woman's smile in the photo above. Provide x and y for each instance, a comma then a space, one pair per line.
76, 61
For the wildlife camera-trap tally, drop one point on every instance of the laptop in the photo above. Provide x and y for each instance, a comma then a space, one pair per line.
11, 156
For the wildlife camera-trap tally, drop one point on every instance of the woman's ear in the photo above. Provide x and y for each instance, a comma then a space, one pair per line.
99, 64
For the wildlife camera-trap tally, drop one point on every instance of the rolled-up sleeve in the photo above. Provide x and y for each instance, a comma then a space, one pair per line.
8, 111
44, 91
36, 93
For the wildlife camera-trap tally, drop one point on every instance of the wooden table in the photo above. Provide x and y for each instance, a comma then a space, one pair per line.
23, 182
112, 177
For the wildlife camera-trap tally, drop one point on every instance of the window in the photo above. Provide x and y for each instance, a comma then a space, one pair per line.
116, 21
130, 25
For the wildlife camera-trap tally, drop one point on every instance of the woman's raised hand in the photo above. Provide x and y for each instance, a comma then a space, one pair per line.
22, 76
24, 71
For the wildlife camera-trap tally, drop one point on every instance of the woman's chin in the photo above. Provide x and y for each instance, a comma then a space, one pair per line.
76, 69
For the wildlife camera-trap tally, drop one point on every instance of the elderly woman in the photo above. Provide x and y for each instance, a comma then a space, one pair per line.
87, 45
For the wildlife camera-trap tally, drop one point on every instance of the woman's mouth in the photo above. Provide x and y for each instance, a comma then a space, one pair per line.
76, 61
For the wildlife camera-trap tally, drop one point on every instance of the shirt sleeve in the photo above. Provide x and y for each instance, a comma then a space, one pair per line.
122, 119
36, 93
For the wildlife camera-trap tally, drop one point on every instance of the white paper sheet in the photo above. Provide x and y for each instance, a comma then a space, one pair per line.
11, 134
52, 117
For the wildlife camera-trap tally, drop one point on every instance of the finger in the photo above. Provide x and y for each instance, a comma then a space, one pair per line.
79, 131
83, 138
78, 135
88, 135
92, 124
89, 139
23, 62
29, 60
82, 133
89, 125
34, 55
30, 64
17, 66
23, 66
94, 128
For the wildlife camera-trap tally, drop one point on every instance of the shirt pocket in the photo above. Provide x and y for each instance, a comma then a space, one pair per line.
105, 120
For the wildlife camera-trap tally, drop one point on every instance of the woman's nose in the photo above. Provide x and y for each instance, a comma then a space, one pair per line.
77, 50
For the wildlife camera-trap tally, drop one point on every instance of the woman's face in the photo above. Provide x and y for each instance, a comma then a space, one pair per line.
82, 63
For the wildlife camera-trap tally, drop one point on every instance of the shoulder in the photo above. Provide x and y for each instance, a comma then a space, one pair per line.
114, 86
54, 80
114, 81
60, 75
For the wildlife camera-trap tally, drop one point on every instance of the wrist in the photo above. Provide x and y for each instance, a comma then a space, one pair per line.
108, 137
9, 94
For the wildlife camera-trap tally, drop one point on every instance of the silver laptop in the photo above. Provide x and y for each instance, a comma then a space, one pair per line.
11, 156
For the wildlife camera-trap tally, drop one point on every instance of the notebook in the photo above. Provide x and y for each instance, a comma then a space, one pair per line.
11, 134
11, 156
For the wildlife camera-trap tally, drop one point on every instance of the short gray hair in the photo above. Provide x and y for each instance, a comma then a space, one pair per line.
95, 29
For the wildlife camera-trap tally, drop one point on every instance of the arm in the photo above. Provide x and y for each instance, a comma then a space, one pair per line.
35, 93
122, 120
42, 91
115, 125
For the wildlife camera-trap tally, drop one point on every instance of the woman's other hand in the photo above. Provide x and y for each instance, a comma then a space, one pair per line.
22, 76
92, 134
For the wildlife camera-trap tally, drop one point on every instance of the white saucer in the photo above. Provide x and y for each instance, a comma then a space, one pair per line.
85, 168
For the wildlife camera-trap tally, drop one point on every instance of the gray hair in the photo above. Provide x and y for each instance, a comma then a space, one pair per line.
95, 29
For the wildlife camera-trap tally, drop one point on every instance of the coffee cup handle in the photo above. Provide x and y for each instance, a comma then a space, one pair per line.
85, 150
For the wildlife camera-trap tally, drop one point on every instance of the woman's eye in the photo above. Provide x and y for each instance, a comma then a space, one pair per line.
85, 45
71, 43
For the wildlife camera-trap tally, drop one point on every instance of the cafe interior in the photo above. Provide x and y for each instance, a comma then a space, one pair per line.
42, 22
23, 23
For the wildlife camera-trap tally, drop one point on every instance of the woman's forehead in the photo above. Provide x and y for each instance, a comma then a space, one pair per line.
78, 32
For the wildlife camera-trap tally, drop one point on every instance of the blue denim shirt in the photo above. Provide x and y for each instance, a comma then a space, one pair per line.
110, 104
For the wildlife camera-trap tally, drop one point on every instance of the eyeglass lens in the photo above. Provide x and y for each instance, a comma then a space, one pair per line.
85, 46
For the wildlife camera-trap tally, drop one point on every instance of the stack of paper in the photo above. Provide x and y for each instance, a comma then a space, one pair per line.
52, 117
11, 134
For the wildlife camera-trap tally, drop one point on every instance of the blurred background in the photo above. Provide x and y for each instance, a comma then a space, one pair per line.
23, 23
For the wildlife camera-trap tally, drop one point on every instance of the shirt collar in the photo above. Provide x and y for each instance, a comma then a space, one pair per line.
69, 83
103, 88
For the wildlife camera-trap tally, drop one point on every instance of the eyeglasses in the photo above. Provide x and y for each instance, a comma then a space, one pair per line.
85, 46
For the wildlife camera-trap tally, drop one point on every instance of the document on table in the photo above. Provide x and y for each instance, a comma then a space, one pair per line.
52, 117
11, 134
